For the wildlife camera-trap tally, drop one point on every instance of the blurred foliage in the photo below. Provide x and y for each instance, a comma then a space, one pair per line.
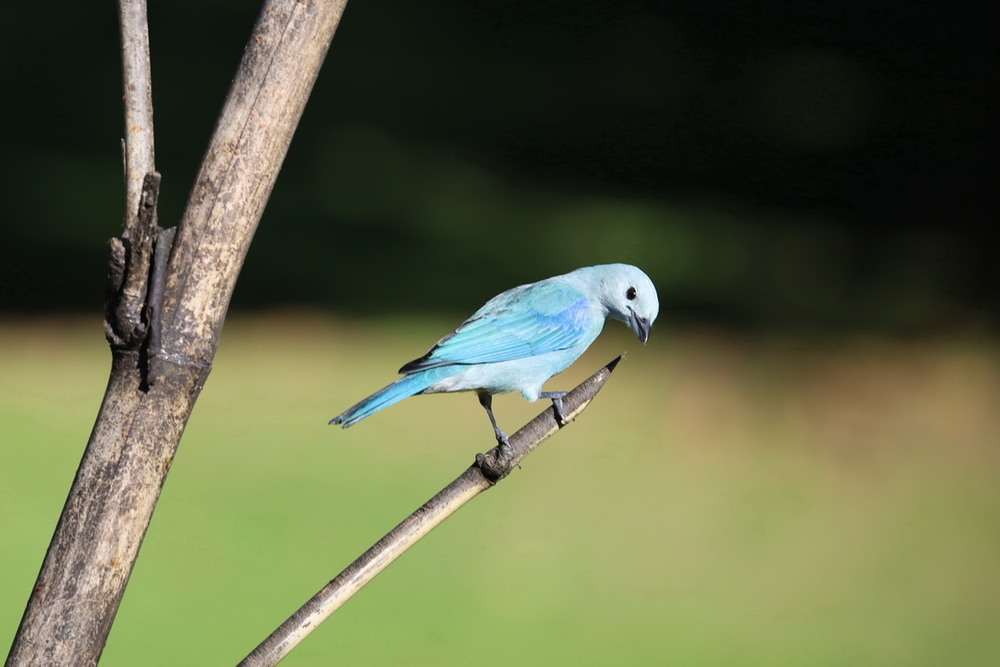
726, 500
819, 166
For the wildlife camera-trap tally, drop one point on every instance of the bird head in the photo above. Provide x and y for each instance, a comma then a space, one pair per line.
629, 296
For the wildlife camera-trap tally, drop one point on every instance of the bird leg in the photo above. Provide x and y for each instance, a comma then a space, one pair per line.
557, 407
486, 400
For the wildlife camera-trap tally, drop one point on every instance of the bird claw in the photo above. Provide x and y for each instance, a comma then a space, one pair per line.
504, 450
557, 409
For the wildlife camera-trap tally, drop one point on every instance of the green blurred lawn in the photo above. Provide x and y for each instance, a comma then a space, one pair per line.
725, 501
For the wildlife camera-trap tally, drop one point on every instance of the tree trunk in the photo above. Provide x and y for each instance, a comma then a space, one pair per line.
164, 321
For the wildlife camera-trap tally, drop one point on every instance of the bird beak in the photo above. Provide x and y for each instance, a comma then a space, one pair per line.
640, 325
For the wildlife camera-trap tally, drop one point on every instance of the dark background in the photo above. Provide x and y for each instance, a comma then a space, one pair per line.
808, 166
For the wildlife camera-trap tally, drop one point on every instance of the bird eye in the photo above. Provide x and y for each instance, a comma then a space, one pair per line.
630, 293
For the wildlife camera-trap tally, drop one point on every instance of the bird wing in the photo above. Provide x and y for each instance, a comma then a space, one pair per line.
526, 321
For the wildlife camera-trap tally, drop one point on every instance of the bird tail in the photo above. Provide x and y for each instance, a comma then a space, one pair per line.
404, 387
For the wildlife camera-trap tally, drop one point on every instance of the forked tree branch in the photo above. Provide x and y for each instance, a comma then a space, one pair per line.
158, 371
488, 469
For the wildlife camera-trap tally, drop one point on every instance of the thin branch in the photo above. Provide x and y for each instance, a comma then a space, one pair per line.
125, 323
488, 469
138, 96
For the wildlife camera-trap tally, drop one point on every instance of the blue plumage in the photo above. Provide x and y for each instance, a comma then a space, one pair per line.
522, 337
404, 387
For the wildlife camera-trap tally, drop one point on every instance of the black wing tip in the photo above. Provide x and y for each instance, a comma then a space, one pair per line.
415, 365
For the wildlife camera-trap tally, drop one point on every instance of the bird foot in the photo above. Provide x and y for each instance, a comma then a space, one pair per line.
557, 406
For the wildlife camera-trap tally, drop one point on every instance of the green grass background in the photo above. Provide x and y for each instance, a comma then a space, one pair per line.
726, 500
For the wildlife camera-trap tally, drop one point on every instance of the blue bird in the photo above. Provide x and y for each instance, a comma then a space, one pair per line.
521, 338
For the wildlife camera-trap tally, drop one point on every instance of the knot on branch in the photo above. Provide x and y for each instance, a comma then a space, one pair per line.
131, 257
136, 277
494, 465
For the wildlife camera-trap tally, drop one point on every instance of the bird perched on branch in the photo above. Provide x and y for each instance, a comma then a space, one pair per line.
521, 338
